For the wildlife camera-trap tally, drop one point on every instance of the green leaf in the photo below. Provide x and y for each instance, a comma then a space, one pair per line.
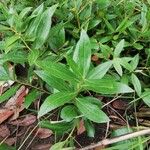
33, 56
91, 111
103, 86
143, 20
99, 71
138, 46
68, 113
103, 3
9, 41
54, 101
58, 146
124, 24
134, 62
10, 92
4, 146
31, 97
146, 97
136, 83
125, 64
44, 27
3, 28
58, 127
74, 67
3, 74
36, 14
57, 37
58, 70
16, 56
119, 48
106, 51
52, 81
89, 128
117, 66
82, 53
38, 10
109, 26
106, 86
123, 88
119, 132
94, 101
24, 12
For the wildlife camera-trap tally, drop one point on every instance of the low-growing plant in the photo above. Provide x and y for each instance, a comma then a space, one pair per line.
53, 42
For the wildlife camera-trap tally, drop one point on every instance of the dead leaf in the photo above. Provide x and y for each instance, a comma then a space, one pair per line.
5, 114
17, 110
26, 121
10, 141
94, 58
43, 133
4, 131
80, 128
100, 148
14, 105
120, 104
41, 147
13, 100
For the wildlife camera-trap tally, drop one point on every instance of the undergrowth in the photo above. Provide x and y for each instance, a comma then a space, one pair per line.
68, 52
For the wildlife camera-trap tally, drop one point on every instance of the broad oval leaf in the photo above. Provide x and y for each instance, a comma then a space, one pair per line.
68, 113
136, 83
82, 53
44, 27
91, 111
99, 71
55, 100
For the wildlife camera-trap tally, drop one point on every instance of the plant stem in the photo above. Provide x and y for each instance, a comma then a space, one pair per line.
118, 139
27, 84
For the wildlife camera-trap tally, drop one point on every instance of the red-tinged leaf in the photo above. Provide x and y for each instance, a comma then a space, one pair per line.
12, 101
5, 114
16, 110
20, 98
10, 141
41, 147
4, 131
43, 133
81, 128
94, 58
120, 104
28, 120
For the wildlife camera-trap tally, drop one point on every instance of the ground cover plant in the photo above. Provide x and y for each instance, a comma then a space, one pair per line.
74, 74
